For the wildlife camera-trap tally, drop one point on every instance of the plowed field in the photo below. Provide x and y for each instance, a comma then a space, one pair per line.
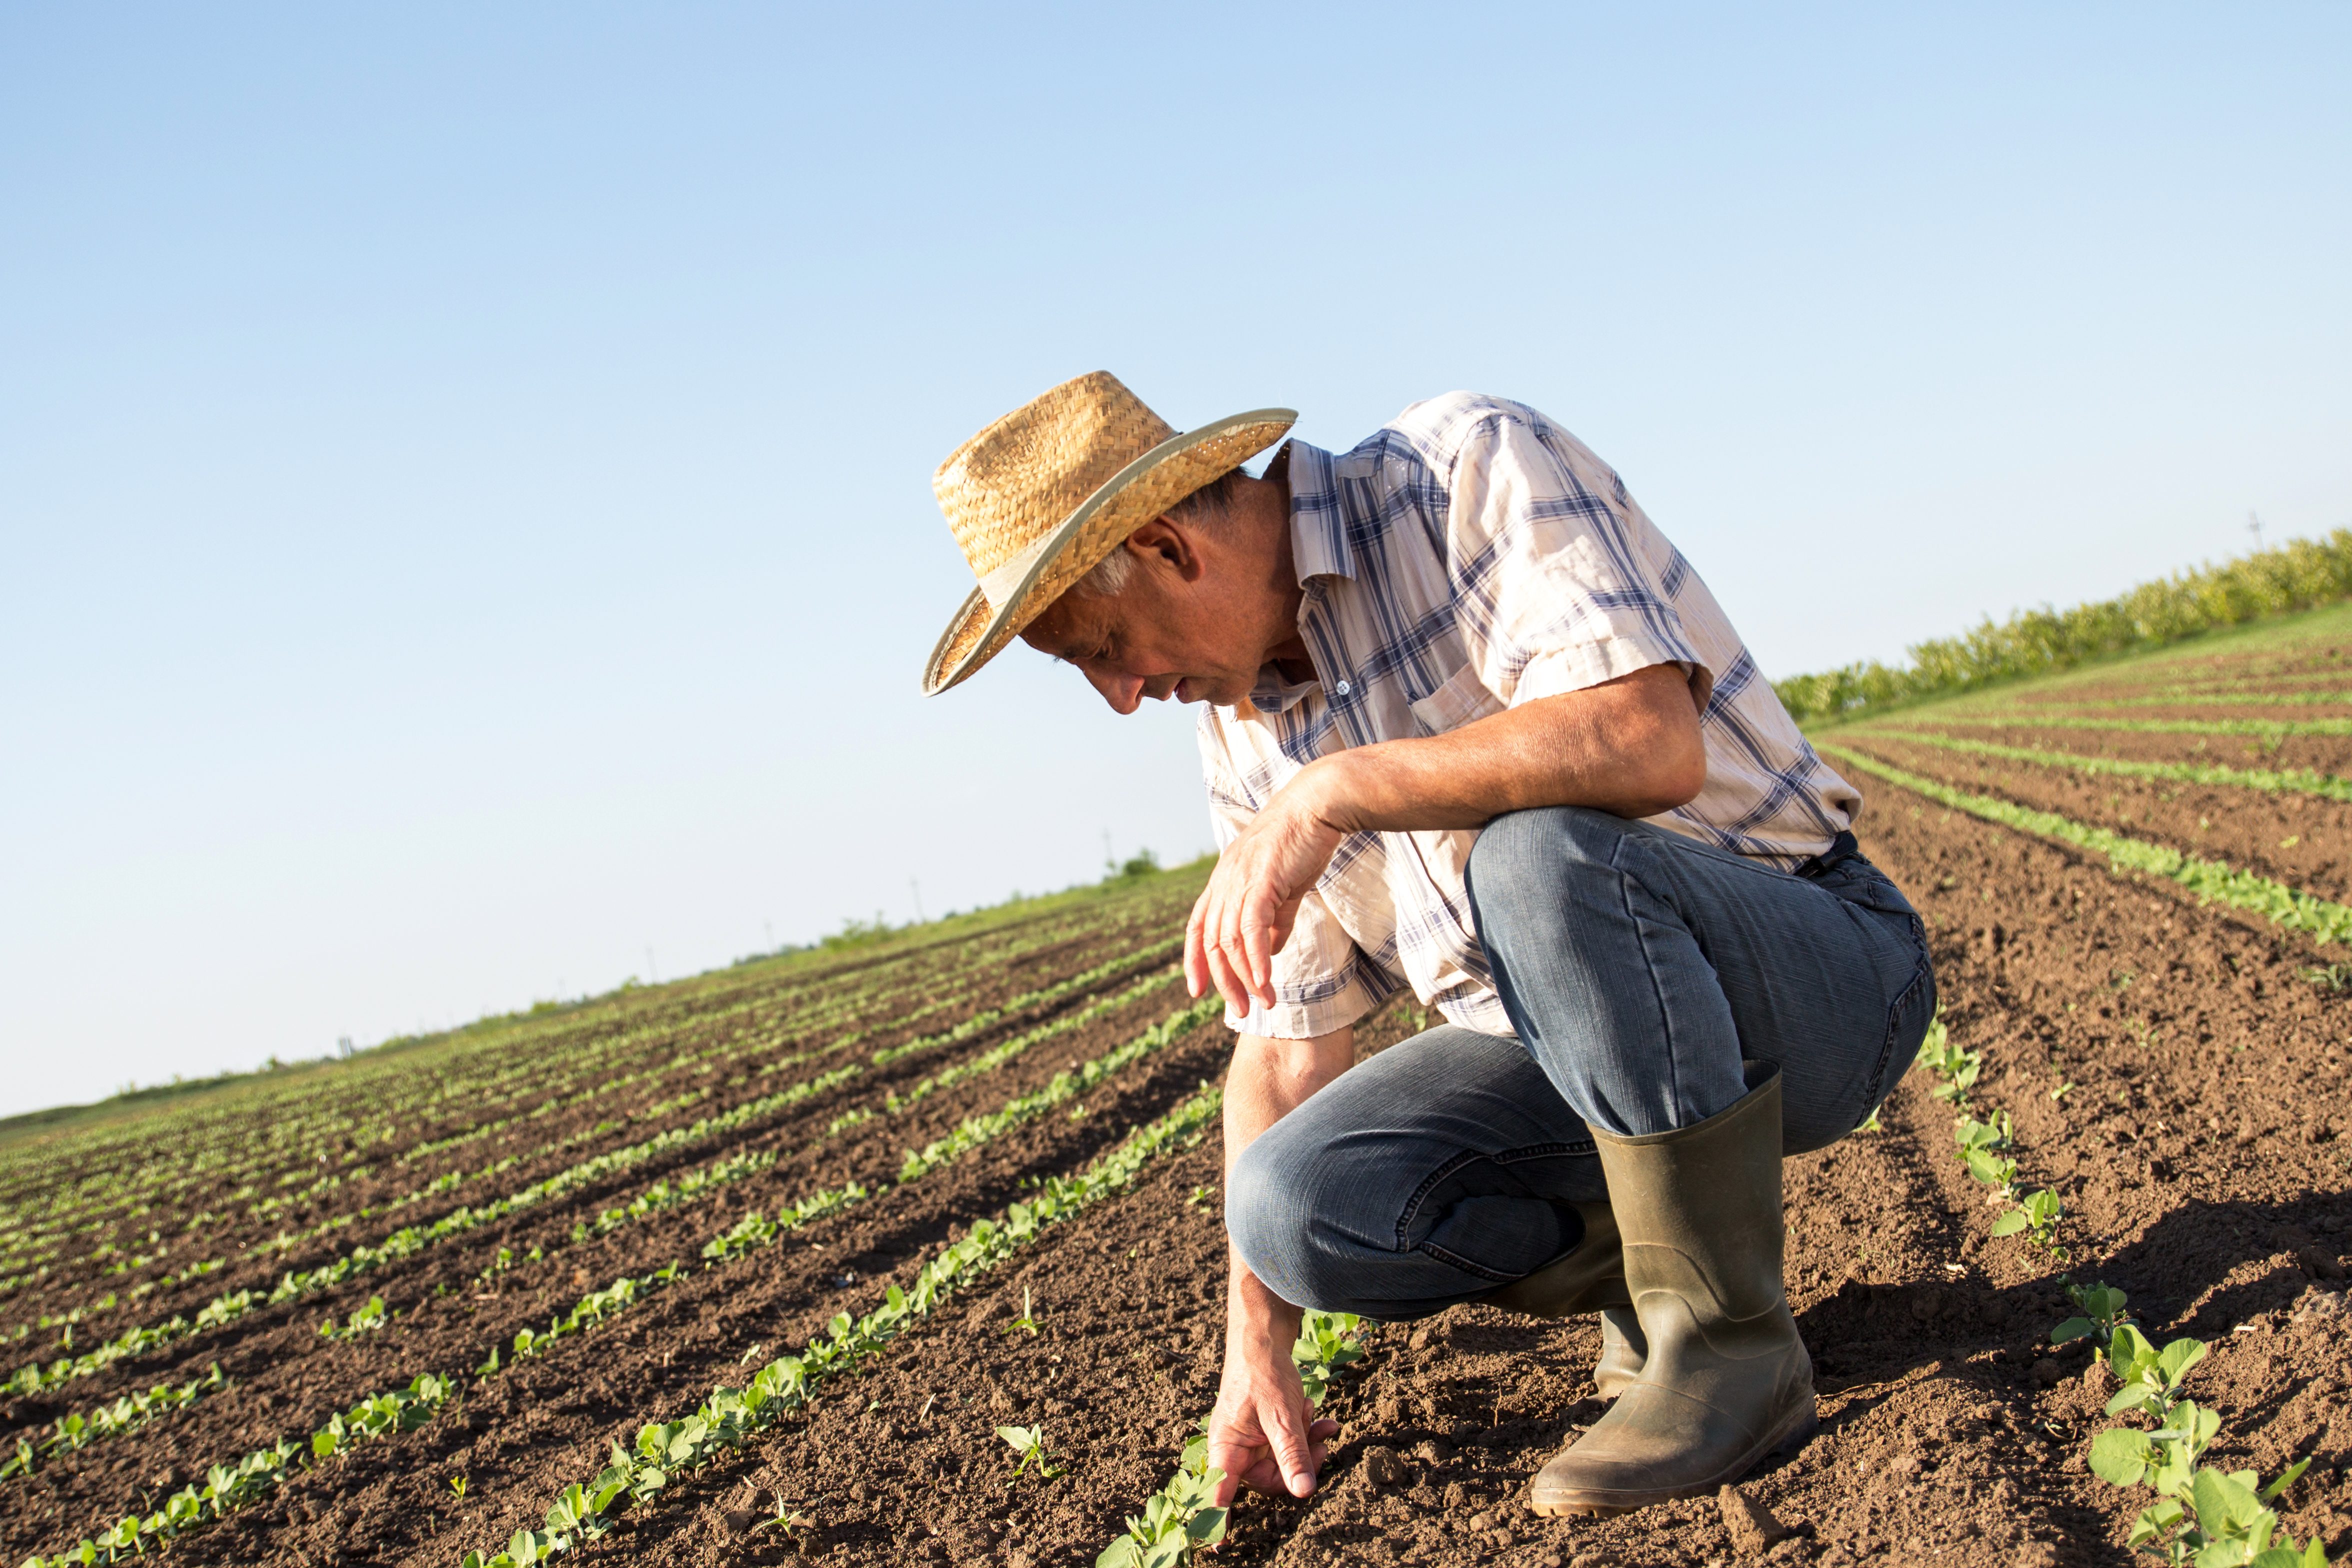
2164, 1025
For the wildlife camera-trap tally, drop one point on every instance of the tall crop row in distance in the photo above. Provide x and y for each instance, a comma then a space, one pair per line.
2297, 576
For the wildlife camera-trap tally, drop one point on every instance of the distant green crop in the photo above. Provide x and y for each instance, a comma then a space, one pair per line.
2269, 781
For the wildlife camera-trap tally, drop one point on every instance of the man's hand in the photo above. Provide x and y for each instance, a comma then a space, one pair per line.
1244, 916
1263, 1434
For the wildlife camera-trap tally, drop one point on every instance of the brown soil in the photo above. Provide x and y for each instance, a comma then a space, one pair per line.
2199, 1150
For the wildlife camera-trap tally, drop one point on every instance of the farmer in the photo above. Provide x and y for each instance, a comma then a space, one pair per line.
1471, 725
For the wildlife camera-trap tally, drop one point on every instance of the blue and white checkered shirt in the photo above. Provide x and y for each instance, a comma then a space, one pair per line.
1469, 557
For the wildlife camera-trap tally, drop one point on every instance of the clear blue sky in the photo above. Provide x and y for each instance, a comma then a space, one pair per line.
465, 471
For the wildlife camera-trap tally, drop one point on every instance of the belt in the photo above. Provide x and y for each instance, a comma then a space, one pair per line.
1842, 847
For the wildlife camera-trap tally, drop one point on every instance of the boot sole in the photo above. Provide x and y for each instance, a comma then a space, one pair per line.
1801, 1421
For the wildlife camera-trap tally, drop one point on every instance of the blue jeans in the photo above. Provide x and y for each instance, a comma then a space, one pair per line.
1638, 967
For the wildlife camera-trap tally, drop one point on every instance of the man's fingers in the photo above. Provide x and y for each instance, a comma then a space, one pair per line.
1196, 960
1232, 1459
1325, 1428
1228, 985
1232, 950
1256, 934
1290, 1450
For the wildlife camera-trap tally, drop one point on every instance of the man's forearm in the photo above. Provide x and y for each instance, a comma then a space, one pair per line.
1266, 1081
1631, 746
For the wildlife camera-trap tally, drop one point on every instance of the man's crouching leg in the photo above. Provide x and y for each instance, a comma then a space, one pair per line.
1705, 1014
1444, 1169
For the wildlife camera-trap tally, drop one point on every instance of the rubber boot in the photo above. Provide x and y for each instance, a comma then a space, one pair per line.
1593, 1275
1725, 1378
1623, 1348
1590, 1279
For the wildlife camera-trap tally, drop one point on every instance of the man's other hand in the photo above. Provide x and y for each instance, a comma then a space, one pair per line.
1244, 916
1263, 1434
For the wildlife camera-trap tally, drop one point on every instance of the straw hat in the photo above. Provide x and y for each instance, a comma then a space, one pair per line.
1039, 498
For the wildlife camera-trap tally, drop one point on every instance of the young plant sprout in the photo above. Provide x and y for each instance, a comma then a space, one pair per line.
1029, 1442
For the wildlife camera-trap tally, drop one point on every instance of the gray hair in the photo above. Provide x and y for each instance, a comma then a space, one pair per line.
1208, 506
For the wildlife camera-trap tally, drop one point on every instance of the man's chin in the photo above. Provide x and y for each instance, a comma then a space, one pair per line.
1224, 693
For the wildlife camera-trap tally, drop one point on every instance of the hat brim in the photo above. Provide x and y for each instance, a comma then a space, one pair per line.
1127, 501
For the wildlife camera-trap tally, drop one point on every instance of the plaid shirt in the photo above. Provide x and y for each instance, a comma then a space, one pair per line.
1469, 557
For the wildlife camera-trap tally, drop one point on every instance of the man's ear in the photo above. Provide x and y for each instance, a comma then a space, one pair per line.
1171, 543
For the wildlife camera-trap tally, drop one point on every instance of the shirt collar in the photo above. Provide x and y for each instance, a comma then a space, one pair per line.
1318, 548
1318, 531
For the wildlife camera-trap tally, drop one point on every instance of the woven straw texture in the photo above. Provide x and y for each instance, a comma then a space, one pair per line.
1039, 498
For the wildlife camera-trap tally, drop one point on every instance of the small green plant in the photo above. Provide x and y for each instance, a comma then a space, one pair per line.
1946, 1057
2203, 1518
791, 1520
1182, 1518
457, 1488
1029, 1442
363, 1321
2099, 1311
2037, 1216
1028, 1317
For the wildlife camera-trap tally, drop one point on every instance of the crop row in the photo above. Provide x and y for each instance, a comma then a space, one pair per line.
664, 1450
2051, 719
2269, 781
554, 1040
2202, 1516
635, 1479
409, 1240
553, 1096
2281, 905
758, 1230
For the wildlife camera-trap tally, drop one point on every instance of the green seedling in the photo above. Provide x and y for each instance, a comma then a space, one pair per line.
2150, 1377
2037, 1215
457, 1488
1327, 1343
1029, 1442
1204, 1194
1946, 1057
362, 1319
1981, 1143
791, 1522
1178, 1520
1872, 1123
1028, 1317
2099, 1311
2063, 1090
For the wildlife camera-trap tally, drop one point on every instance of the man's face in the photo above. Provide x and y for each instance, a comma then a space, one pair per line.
1182, 626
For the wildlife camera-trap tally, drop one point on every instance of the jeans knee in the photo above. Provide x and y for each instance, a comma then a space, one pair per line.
1263, 1218
1524, 857
1275, 1214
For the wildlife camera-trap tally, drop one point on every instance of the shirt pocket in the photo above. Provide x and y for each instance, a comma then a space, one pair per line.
1461, 700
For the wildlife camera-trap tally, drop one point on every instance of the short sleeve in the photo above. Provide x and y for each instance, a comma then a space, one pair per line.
1321, 980
1556, 589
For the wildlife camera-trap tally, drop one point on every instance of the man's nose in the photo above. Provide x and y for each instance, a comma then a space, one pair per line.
1123, 692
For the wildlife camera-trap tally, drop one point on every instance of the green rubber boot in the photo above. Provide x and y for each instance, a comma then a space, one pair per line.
1592, 1279
1725, 1378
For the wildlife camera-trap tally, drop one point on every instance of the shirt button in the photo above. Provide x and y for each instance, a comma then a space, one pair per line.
1343, 689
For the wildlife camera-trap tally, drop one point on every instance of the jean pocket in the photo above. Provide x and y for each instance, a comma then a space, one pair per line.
1907, 1018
